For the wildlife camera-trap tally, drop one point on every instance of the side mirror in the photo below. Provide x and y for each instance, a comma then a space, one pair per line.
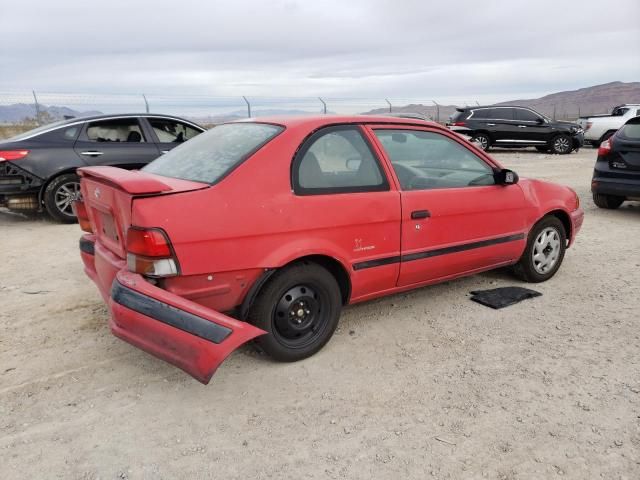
540, 120
506, 177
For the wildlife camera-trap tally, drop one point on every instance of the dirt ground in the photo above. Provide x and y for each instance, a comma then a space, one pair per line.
422, 385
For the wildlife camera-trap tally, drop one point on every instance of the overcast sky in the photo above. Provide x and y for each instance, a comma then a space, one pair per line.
445, 50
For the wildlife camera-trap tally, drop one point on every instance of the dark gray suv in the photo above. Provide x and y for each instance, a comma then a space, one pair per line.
516, 127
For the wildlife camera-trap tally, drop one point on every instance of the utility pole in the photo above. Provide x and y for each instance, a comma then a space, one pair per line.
248, 106
146, 104
324, 105
35, 99
437, 111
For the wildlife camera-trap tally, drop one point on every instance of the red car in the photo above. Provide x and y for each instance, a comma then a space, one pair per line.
281, 222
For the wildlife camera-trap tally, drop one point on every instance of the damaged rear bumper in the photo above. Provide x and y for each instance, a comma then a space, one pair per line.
194, 338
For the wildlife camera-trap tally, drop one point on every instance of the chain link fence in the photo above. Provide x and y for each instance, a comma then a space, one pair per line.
26, 109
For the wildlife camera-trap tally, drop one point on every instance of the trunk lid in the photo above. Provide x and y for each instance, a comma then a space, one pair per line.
109, 192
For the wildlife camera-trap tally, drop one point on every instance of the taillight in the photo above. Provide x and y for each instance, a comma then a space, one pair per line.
459, 124
605, 148
149, 252
7, 155
589, 125
80, 209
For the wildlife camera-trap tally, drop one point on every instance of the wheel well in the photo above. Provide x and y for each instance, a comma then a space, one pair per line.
335, 268
604, 135
484, 132
564, 218
51, 179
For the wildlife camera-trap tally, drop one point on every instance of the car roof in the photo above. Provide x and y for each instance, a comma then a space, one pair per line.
317, 121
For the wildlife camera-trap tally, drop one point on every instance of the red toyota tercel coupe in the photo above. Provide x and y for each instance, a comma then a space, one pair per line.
280, 222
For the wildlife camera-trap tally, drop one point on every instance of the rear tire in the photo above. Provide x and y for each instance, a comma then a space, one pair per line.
561, 144
544, 253
59, 195
610, 202
483, 140
299, 308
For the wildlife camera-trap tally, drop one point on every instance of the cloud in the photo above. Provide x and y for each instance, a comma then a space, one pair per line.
402, 49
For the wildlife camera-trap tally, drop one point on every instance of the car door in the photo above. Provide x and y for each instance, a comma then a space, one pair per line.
531, 127
501, 124
455, 219
169, 133
119, 141
344, 201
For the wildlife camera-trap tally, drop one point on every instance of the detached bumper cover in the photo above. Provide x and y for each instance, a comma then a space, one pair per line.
194, 338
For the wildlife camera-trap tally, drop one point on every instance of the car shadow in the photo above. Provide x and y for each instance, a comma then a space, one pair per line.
10, 217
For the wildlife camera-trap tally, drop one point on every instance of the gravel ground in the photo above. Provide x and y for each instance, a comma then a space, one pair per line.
420, 385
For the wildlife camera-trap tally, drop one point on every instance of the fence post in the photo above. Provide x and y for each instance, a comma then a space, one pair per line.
35, 99
146, 104
437, 111
248, 106
324, 105
390, 106
554, 111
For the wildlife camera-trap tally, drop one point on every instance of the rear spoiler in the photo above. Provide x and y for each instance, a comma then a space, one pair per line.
134, 182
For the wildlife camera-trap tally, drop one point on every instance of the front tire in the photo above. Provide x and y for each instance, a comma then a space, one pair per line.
59, 196
299, 308
610, 202
544, 253
561, 144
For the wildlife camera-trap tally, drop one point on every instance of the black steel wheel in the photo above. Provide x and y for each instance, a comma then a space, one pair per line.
299, 308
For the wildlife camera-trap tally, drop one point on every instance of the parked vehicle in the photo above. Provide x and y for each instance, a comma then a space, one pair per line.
38, 167
597, 128
290, 219
516, 127
616, 176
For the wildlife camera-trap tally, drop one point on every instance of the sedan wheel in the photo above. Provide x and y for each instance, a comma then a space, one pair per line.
299, 309
482, 140
59, 196
544, 252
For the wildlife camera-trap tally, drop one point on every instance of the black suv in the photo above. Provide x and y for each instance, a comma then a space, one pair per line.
516, 127
616, 176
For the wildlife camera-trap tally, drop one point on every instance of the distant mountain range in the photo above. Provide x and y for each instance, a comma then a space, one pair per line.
567, 105
18, 112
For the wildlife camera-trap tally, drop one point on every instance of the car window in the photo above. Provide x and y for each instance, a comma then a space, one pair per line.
119, 130
526, 115
482, 113
620, 111
458, 115
428, 160
337, 160
172, 131
502, 113
211, 156
630, 130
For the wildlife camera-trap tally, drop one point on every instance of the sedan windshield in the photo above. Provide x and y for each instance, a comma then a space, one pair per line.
211, 155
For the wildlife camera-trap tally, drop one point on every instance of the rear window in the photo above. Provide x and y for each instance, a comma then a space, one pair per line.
211, 155
458, 116
631, 130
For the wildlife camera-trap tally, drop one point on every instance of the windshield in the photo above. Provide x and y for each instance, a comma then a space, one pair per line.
211, 155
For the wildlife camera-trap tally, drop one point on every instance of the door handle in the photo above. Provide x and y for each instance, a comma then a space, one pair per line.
491, 124
522, 126
164, 151
92, 153
418, 214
